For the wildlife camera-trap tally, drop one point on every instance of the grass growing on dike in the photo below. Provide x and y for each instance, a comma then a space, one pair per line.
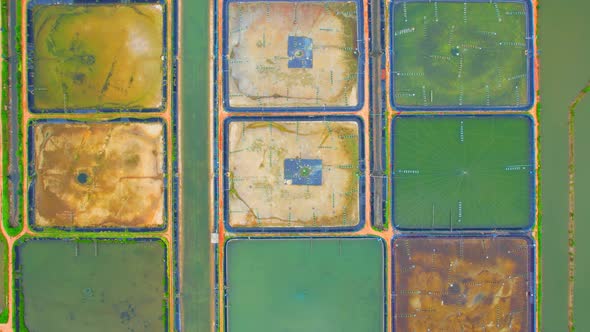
455, 53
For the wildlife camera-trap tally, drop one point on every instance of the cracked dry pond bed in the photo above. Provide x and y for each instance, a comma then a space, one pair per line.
98, 174
463, 284
91, 285
292, 54
97, 56
292, 173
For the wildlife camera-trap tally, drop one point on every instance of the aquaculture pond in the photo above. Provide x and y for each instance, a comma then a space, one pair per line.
91, 285
305, 284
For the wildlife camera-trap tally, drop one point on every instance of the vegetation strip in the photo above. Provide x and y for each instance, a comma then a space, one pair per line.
571, 229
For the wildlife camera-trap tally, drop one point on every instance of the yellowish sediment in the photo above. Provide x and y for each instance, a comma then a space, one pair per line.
98, 56
259, 195
99, 174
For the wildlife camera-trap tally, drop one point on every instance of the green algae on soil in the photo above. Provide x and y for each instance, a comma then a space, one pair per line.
98, 56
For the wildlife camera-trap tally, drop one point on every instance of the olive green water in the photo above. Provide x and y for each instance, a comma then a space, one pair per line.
462, 172
455, 53
565, 68
327, 285
194, 108
582, 285
113, 287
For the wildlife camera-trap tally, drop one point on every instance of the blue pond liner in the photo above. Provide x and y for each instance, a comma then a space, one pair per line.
30, 49
226, 184
300, 52
360, 48
31, 153
530, 52
307, 172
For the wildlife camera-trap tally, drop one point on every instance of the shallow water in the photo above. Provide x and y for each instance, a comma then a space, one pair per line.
81, 61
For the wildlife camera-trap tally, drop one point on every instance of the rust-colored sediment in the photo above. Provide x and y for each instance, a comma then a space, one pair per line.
470, 284
99, 174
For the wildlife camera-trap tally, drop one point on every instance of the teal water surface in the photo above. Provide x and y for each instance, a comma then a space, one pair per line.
319, 285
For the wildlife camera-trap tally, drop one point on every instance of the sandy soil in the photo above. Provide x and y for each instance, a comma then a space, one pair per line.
462, 285
98, 56
123, 166
259, 194
258, 54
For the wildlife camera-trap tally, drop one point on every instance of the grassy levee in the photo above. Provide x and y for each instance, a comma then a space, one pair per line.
4, 165
195, 286
6, 193
564, 69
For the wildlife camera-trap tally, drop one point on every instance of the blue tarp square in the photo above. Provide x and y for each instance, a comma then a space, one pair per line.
306, 172
300, 52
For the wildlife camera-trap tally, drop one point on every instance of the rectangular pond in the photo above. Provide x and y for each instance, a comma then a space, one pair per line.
463, 172
470, 283
91, 285
112, 177
294, 173
293, 54
461, 54
305, 284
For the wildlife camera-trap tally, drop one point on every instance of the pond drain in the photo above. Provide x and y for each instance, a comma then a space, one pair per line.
82, 178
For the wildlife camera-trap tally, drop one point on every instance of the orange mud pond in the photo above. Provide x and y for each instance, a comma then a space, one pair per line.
462, 284
99, 174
